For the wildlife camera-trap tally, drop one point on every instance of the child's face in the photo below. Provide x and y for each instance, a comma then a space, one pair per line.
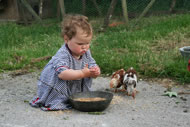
79, 44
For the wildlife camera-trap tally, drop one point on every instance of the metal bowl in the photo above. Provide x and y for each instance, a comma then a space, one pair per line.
185, 52
91, 106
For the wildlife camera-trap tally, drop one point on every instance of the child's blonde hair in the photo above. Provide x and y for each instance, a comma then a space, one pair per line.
72, 22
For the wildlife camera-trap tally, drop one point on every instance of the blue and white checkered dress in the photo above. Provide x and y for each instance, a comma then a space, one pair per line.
52, 91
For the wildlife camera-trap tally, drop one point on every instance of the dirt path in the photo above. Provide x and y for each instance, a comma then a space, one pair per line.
149, 109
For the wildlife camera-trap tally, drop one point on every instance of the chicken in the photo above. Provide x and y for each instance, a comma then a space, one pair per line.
130, 82
117, 79
188, 66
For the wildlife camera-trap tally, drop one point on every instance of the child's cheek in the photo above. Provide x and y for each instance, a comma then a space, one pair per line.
79, 50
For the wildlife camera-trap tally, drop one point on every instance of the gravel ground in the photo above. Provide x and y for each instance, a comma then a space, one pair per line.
149, 109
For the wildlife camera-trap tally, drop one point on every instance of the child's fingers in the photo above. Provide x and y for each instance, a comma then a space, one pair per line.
92, 70
95, 68
95, 71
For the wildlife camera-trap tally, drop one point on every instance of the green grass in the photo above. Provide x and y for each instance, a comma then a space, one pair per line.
19, 44
151, 47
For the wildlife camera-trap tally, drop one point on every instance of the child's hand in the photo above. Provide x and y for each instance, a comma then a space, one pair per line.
92, 72
95, 71
86, 71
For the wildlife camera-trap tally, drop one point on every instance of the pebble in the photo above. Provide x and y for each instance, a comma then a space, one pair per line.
183, 98
185, 110
186, 106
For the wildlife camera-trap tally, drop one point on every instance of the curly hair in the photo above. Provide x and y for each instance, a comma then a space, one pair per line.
72, 22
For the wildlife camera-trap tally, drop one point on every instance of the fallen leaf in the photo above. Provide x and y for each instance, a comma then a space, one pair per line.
170, 94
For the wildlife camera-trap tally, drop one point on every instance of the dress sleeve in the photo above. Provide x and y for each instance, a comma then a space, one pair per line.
61, 63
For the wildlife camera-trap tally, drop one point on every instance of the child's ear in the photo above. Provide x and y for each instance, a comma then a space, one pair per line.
66, 38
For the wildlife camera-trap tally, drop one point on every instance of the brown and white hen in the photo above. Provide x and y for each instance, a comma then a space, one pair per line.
130, 82
117, 79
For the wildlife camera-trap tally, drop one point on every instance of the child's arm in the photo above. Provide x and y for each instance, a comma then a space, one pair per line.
71, 74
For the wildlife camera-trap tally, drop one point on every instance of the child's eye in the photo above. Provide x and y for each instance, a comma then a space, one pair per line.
81, 44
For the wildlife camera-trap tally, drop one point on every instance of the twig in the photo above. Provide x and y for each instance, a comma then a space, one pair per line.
179, 93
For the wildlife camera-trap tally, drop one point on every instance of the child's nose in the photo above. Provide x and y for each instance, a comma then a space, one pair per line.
84, 46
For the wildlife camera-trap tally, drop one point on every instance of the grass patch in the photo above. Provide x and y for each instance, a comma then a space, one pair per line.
151, 47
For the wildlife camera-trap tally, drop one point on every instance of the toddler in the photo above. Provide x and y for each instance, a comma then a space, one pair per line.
70, 70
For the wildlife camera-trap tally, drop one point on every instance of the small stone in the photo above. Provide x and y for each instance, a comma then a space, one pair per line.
183, 98
185, 110
186, 106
